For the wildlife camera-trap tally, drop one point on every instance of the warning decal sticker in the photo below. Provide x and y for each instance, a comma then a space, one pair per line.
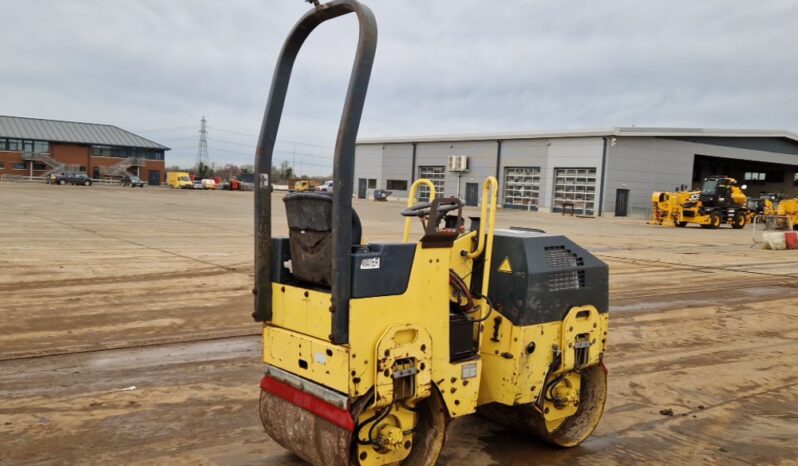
505, 266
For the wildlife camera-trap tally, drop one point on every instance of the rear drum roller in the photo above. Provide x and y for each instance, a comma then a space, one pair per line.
322, 443
309, 437
570, 432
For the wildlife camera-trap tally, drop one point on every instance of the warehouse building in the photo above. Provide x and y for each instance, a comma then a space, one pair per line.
35, 147
594, 172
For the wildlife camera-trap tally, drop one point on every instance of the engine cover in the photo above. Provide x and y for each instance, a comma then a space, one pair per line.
537, 277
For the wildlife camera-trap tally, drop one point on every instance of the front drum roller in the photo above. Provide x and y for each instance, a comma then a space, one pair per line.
322, 443
568, 433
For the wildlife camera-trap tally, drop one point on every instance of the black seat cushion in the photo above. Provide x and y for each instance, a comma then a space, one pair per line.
310, 228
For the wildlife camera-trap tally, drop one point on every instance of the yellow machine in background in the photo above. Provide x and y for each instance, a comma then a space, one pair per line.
789, 209
372, 348
301, 185
666, 206
719, 201
783, 217
763, 205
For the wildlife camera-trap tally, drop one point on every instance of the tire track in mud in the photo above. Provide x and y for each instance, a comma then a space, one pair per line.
736, 269
665, 419
698, 293
727, 287
703, 358
92, 281
141, 245
166, 341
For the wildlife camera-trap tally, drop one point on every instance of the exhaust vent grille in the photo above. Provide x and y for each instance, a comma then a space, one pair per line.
561, 281
557, 257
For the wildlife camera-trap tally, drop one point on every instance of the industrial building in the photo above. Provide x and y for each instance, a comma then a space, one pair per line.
594, 172
36, 147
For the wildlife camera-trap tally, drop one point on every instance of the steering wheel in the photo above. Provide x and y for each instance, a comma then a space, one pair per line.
421, 209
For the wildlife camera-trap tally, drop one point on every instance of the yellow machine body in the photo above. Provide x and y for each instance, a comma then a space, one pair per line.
370, 349
788, 208
784, 216
666, 207
513, 365
720, 201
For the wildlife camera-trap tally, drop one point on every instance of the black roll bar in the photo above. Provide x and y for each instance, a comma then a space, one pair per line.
343, 164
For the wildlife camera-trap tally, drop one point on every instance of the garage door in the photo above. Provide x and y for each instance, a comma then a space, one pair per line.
434, 173
522, 187
575, 187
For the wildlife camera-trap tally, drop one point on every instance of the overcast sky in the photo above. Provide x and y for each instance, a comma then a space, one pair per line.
155, 67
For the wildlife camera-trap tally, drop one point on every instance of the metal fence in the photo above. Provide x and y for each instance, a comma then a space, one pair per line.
43, 179
23, 178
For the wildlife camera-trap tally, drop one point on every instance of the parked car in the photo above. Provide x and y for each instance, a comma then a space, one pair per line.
197, 184
133, 181
382, 194
300, 186
208, 183
71, 178
326, 187
247, 182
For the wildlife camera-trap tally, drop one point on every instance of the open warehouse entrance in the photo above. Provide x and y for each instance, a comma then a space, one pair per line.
760, 177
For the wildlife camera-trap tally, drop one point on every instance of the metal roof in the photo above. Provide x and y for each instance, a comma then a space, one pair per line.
582, 133
72, 131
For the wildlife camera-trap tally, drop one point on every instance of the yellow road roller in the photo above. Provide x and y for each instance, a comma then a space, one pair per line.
371, 349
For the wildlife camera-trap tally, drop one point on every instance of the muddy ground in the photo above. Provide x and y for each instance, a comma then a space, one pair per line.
103, 289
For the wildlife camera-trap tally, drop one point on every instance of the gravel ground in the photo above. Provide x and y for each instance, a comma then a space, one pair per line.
103, 289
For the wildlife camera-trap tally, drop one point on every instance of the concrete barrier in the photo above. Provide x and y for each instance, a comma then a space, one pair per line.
775, 240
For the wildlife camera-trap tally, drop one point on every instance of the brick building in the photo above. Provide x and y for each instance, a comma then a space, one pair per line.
36, 147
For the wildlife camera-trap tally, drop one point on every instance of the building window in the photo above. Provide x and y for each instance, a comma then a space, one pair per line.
522, 187
35, 147
101, 151
39, 166
401, 185
575, 187
755, 177
82, 169
19, 165
372, 183
436, 174
41, 147
123, 152
3, 166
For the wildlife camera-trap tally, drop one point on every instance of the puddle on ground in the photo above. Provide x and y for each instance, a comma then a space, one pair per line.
660, 306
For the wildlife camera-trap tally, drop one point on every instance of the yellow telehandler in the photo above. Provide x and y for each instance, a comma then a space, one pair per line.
719, 201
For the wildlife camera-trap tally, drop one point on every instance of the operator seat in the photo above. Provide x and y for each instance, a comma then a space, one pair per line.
310, 226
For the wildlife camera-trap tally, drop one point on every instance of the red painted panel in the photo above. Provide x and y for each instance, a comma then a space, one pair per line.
308, 402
